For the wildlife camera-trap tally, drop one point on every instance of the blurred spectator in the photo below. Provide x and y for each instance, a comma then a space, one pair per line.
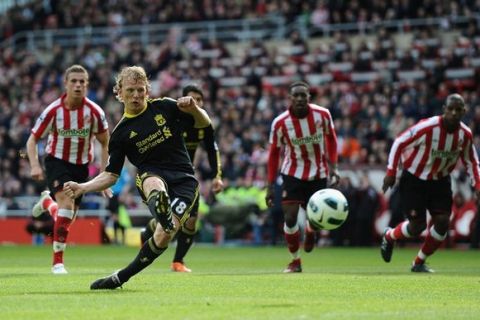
344, 234
367, 206
40, 227
121, 187
463, 219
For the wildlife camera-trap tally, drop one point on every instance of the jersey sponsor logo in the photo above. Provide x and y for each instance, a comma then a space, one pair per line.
132, 134
443, 154
318, 138
153, 139
85, 132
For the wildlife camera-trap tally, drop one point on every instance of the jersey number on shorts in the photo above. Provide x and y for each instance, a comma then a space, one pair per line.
178, 207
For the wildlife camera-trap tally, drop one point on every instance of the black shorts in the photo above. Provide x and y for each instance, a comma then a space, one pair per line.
417, 195
299, 191
195, 207
58, 172
182, 189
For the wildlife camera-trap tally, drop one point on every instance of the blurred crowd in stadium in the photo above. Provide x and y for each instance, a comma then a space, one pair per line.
40, 14
374, 86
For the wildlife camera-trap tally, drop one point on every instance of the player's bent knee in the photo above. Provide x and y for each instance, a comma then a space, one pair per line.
189, 230
415, 228
441, 223
162, 238
189, 225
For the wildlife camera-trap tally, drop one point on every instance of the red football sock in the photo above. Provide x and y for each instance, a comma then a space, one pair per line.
432, 242
399, 232
293, 241
47, 202
53, 209
60, 234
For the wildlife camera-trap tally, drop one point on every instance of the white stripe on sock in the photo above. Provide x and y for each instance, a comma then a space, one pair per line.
405, 229
288, 230
421, 255
59, 246
66, 213
436, 235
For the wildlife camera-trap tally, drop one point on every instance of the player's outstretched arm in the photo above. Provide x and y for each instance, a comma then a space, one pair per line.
101, 182
36, 170
187, 104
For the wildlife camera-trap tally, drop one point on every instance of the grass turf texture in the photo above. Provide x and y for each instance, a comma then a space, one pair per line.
240, 283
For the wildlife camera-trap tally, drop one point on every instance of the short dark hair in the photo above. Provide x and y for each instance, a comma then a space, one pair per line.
297, 84
192, 88
76, 68
454, 97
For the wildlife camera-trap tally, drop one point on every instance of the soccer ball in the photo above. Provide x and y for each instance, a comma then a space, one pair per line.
327, 209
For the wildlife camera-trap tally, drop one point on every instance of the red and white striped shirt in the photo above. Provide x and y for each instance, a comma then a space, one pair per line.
306, 144
429, 152
70, 132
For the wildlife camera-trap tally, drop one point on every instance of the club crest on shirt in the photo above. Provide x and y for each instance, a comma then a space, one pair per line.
160, 120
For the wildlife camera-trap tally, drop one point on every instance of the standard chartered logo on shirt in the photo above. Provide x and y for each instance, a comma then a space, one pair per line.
153, 139
85, 132
318, 138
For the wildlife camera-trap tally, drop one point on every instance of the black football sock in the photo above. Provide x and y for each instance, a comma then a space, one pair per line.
184, 242
149, 230
148, 253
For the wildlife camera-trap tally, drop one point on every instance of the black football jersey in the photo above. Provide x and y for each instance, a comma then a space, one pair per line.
194, 136
152, 140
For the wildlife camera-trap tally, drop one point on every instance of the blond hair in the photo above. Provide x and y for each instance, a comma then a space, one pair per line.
76, 68
136, 73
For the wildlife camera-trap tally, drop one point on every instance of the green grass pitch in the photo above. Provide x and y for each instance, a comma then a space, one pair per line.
241, 283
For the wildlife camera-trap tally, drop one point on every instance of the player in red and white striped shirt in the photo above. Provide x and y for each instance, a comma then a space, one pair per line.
71, 123
307, 136
429, 151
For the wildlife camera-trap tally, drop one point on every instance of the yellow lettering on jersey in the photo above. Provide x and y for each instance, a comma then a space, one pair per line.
166, 132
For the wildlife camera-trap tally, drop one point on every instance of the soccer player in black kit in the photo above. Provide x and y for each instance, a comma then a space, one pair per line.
193, 137
150, 135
